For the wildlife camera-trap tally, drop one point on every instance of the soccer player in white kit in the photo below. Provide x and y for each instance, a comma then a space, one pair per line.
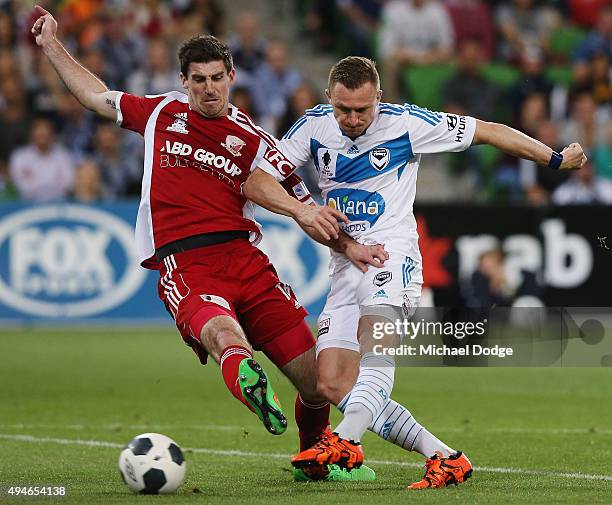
367, 154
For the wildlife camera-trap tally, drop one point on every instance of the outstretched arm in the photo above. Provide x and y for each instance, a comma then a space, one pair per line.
85, 86
518, 144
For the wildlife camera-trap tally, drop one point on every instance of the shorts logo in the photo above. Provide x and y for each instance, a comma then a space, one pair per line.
451, 121
218, 300
379, 158
407, 268
179, 125
286, 290
382, 278
323, 327
380, 294
233, 144
408, 307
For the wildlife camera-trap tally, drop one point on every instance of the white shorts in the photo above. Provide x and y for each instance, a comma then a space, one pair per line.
398, 283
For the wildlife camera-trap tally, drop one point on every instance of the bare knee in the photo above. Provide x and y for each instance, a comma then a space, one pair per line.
337, 371
219, 333
333, 389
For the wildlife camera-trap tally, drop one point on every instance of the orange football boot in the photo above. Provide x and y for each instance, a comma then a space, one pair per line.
331, 449
442, 472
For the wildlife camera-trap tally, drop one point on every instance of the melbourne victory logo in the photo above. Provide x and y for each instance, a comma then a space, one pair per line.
379, 158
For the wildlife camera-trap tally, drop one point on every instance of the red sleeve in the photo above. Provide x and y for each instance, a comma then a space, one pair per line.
134, 111
295, 186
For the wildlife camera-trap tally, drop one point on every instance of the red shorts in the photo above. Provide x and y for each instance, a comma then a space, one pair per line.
234, 279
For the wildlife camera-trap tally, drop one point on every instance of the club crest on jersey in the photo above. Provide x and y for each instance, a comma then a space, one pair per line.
379, 158
327, 162
180, 123
233, 144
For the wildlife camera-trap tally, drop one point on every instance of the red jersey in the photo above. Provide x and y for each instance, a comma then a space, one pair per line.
194, 168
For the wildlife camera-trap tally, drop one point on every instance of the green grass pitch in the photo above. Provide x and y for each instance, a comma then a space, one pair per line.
69, 398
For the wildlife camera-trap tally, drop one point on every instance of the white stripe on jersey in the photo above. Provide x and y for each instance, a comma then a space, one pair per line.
145, 242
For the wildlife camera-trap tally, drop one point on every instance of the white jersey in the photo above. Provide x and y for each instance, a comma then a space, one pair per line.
372, 179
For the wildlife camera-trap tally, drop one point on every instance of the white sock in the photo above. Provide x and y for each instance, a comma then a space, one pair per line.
368, 396
428, 445
396, 424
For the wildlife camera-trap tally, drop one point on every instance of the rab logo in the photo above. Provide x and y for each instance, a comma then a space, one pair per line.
379, 158
278, 161
66, 261
234, 145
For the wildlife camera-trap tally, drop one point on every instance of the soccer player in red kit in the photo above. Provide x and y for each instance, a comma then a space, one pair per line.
196, 226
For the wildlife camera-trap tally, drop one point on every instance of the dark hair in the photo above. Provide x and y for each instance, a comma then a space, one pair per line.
203, 49
353, 72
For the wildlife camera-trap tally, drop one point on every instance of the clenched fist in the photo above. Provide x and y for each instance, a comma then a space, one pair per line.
573, 157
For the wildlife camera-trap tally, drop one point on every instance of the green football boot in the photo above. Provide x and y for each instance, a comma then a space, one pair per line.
336, 474
258, 393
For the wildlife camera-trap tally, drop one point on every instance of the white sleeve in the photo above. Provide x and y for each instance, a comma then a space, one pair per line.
438, 132
281, 158
295, 144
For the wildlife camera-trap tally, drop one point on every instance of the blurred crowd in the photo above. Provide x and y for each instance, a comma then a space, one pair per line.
543, 67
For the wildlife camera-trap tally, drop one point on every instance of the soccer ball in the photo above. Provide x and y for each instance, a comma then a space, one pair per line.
152, 463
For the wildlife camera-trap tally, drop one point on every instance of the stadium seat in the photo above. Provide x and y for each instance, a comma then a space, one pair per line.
501, 74
563, 41
423, 84
560, 75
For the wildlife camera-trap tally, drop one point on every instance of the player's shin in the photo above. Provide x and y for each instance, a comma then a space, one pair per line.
230, 360
312, 420
368, 396
396, 424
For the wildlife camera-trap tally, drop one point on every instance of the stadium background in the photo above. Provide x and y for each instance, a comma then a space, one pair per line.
69, 187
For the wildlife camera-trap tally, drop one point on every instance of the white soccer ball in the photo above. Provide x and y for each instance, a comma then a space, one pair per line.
152, 464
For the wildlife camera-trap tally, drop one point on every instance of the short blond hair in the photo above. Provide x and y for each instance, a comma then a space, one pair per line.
353, 72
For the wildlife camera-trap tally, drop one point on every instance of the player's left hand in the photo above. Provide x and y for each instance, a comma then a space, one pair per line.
363, 255
573, 157
45, 27
323, 220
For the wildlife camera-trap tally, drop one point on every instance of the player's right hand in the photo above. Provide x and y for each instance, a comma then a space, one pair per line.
324, 220
573, 157
45, 27
363, 255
